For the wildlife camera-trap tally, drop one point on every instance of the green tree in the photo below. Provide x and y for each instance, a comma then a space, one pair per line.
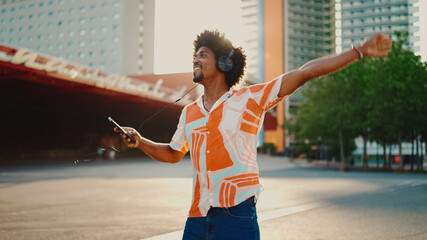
380, 99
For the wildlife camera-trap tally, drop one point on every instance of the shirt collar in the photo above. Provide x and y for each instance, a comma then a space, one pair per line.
222, 99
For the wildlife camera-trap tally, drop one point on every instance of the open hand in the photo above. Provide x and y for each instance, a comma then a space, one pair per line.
376, 46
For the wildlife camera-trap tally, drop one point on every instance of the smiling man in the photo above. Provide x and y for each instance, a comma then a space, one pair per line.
220, 130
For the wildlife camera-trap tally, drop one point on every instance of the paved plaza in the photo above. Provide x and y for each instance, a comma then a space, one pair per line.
146, 199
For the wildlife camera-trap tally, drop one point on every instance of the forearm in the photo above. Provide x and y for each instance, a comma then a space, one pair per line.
329, 64
159, 151
315, 68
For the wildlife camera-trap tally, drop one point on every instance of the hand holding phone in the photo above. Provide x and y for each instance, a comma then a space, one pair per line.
122, 130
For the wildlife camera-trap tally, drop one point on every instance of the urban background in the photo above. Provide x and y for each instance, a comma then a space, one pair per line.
66, 65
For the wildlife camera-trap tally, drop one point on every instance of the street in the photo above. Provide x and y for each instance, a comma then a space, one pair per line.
150, 200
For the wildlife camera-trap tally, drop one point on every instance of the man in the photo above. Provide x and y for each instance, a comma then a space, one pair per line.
221, 129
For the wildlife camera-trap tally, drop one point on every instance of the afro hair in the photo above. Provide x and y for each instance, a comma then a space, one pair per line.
221, 46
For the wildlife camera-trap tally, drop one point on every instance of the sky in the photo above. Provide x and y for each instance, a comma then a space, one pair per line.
177, 24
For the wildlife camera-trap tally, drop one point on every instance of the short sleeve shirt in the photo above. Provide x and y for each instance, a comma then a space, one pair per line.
223, 143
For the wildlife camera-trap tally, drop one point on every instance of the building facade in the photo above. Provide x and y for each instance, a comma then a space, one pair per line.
252, 15
360, 19
309, 34
115, 35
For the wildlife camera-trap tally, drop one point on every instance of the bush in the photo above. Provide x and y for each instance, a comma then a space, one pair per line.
269, 148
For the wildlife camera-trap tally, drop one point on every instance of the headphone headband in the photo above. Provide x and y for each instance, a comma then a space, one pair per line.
231, 53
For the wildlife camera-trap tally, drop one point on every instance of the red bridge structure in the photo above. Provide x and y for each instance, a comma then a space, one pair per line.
56, 111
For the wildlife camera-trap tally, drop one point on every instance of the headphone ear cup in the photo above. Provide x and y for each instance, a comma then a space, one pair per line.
224, 64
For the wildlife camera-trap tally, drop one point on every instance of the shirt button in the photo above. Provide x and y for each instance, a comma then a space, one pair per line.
209, 132
207, 151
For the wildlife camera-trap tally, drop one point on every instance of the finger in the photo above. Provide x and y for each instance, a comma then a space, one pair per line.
115, 129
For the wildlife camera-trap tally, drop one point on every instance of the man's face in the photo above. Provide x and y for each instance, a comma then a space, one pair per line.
203, 64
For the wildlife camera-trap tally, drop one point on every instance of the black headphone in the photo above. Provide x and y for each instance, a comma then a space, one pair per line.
224, 63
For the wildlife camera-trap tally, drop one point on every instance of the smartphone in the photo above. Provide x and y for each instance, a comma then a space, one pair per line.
121, 129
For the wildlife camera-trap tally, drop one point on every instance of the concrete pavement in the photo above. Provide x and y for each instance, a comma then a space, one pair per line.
146, 199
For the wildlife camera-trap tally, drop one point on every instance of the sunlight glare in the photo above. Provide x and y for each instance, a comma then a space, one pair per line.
177, 23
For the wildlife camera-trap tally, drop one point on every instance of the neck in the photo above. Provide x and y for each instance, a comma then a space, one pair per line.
214, 89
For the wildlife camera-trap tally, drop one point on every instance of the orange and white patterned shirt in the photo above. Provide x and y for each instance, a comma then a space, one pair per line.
223, 143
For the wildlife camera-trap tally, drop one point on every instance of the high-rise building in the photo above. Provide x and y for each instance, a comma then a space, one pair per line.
309, 34
114, 34
252, 20
361, 19
307, 31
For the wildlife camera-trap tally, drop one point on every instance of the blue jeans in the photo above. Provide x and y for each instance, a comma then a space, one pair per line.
238, 222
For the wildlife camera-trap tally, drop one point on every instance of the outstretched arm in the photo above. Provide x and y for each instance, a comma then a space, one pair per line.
158, 151
377, 46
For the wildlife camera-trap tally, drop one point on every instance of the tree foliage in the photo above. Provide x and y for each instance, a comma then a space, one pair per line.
380, 99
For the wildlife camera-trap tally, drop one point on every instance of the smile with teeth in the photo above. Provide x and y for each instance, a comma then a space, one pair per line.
197, 67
